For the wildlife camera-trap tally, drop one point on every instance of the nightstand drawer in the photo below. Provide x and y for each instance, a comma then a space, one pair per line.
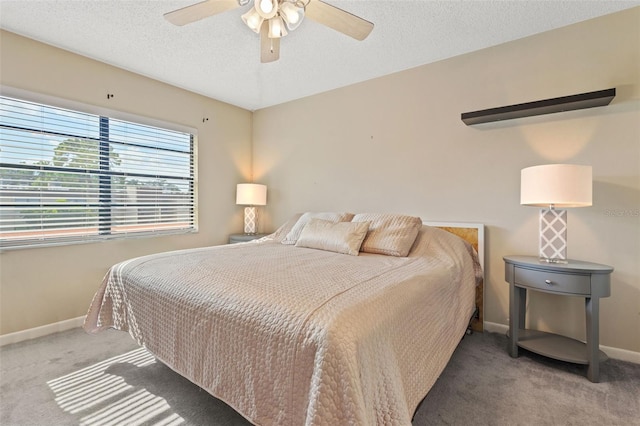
553, 282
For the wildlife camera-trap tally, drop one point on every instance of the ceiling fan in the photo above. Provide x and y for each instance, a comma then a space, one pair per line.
272, 18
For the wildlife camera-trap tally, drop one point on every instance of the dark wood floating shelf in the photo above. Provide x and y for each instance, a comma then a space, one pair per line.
547, 106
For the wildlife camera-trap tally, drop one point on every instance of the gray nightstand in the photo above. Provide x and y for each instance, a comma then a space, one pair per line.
575, 278
243, 238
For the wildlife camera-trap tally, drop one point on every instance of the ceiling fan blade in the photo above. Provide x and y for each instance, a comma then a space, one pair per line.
269, 47
338, 19
198, 11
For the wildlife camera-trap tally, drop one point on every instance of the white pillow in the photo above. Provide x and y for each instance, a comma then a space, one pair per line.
294, 234
390, 234
339, 237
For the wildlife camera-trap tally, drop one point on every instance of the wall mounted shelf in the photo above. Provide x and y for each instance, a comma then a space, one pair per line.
546, 106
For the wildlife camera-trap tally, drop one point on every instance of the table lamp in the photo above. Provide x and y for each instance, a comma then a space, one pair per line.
555, 187
251, 195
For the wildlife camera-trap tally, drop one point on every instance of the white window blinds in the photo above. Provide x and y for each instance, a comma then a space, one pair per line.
68, 176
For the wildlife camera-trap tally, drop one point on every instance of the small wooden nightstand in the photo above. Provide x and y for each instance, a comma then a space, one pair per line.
575, 278
243, 238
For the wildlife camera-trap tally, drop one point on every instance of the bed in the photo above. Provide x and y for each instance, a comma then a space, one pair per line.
305, 333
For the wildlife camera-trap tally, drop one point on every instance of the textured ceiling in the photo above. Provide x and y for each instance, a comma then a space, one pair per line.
219, 57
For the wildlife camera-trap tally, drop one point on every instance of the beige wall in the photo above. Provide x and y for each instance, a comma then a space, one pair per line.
397, 144
46, 285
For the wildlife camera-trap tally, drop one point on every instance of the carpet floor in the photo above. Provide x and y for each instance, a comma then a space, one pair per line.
71, 378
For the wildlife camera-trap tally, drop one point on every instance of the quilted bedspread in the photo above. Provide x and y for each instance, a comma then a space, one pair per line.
291, 336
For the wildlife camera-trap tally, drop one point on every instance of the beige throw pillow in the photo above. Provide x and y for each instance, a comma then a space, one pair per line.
294, 234
339, 237
390, 234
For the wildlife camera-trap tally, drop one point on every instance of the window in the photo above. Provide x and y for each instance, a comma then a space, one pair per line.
69, 176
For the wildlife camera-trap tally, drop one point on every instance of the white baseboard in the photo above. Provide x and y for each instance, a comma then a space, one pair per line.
494, 327
614, 353
621, 354
32, 333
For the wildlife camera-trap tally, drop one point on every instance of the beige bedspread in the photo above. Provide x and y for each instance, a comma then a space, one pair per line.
292, 336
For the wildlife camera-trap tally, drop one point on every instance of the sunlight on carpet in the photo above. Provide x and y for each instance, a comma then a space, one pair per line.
86, 392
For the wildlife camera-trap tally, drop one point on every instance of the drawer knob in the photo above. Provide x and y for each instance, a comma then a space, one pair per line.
548, 282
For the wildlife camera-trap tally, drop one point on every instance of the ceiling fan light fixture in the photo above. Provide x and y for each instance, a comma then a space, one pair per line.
253, 20
283, 16
276, 27
291, 14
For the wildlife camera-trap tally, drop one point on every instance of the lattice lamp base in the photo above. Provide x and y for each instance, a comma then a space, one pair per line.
250, 220
553, 235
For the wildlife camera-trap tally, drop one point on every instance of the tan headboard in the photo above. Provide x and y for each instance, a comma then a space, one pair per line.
473, 233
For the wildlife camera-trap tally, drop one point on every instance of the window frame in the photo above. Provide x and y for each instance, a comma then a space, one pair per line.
105, 223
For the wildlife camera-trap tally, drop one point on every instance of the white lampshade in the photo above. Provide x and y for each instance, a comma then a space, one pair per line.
253, 20
557, 185
276, 27
251, 194
266, 8
291, 14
